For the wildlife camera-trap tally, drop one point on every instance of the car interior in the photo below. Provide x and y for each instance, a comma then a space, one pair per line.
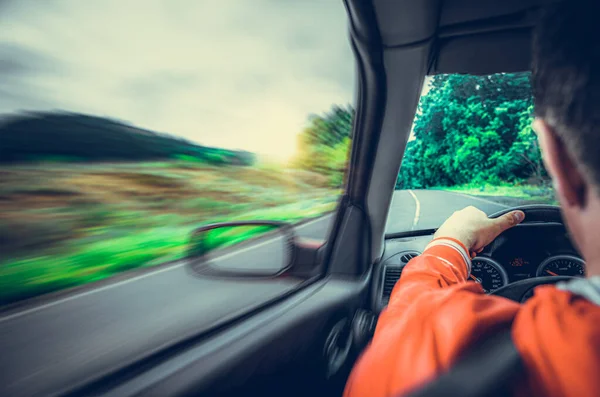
300, 332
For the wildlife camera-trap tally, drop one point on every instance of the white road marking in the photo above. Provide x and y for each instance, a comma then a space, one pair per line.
417, 209
136, 278
480, 199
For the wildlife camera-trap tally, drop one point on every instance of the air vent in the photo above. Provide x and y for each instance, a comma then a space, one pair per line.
392, 272
390, 277
408, 256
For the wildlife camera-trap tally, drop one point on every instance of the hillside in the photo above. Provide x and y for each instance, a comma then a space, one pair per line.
78, 137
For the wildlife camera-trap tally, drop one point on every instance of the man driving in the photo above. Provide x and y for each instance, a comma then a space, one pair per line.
434, 314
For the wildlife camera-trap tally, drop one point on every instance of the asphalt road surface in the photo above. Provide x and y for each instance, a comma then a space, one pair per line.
66, 340
427, 209
413, 210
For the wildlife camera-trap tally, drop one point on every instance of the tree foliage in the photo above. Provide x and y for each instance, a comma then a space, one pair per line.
472, 130
468, 130
324, 143
71, 136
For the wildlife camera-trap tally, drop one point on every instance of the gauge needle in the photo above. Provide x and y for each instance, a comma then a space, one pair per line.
551, 273
474, 278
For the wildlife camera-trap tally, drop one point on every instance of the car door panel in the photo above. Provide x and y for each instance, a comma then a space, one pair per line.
279, 350
74, 340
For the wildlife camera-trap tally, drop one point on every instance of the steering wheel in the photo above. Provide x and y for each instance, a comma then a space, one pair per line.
534, 214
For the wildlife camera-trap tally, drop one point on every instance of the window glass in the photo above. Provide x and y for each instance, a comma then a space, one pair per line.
127, 124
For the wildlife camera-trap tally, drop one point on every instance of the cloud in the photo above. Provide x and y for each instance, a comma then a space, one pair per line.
17, 66
239, 74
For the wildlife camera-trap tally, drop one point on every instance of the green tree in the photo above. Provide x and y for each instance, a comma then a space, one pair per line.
324, 143
470, 130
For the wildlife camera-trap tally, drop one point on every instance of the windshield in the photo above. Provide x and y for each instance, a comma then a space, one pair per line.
126, 126
471, 144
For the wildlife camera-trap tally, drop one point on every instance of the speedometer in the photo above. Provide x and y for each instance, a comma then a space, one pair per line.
489, 273
562, 265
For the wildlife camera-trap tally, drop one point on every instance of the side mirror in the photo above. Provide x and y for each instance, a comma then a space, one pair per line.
242, 249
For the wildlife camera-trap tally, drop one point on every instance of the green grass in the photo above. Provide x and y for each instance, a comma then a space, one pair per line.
533, 193
119, 217
84, 261
224, 237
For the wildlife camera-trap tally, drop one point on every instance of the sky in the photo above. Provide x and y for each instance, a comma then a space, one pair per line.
240, 74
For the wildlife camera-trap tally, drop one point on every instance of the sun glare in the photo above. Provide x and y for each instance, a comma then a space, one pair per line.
280, 151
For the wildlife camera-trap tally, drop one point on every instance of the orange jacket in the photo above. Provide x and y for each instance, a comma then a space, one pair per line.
434, 314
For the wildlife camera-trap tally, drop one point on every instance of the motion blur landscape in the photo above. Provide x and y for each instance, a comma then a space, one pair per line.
116, 143
85, 197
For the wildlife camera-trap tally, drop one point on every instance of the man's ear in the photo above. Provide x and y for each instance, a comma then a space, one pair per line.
569, 182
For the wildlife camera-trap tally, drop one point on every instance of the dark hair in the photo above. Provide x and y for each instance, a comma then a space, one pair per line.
566, 77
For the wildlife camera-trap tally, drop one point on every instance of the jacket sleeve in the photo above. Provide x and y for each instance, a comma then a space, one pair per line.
443, 263
434, 314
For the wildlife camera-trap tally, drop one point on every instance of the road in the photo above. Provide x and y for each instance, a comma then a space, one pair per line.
414, 210
64, 341
427, 209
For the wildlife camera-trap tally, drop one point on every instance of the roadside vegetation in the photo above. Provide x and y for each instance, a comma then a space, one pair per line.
474, 131
471, 134
65, 224
506, 194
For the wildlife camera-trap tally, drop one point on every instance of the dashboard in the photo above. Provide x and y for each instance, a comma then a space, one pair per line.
526, 252
523, 252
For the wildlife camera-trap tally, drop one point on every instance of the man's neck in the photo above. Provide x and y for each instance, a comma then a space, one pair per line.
584, 225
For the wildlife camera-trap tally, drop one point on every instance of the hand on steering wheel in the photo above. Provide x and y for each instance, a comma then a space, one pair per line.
475, 230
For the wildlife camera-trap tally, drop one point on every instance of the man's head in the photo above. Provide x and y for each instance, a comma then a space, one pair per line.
566, 85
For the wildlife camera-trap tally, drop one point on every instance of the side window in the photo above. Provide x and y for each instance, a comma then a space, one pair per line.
116, 143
